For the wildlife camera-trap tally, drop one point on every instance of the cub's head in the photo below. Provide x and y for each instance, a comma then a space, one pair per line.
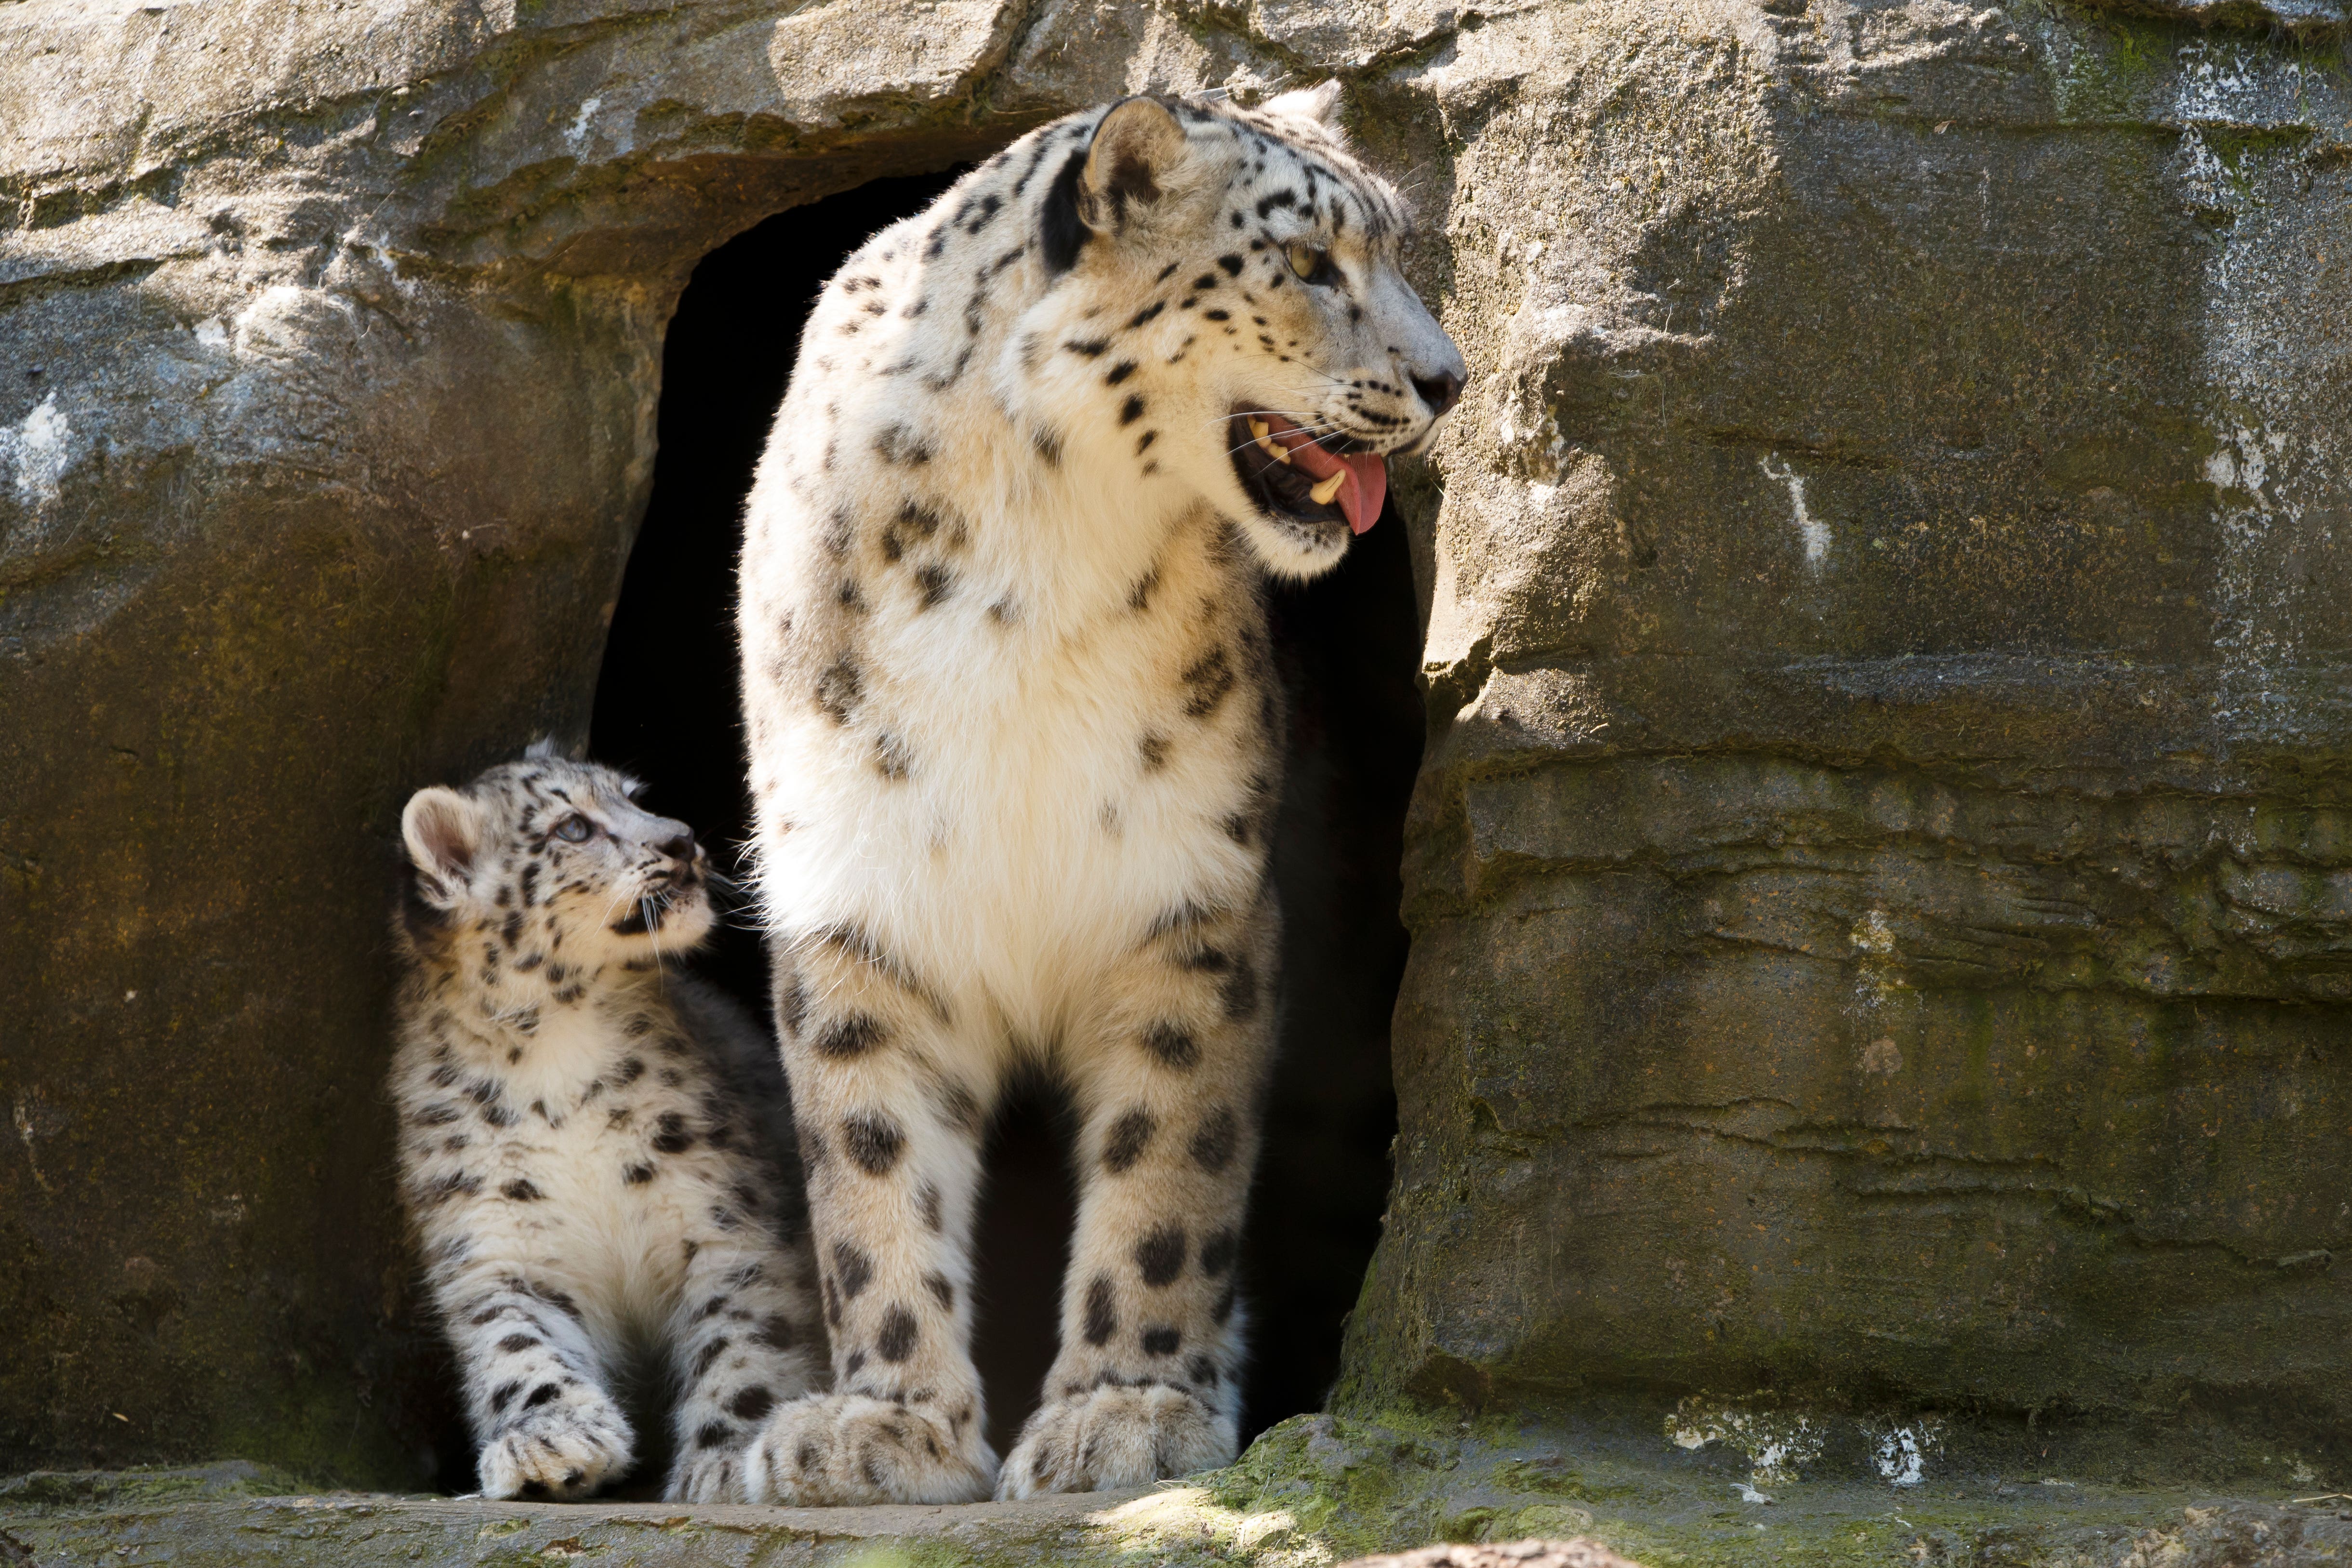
551, 862
1229, 309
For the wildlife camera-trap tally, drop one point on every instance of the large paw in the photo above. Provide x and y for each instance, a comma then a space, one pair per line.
836, 1448
566, 1448
706, 1475
1113, 1437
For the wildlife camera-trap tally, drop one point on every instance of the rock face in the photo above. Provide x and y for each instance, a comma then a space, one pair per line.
1882, 890
1881, 886
329, 344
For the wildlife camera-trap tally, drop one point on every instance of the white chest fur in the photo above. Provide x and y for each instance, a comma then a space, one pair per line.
1007, 712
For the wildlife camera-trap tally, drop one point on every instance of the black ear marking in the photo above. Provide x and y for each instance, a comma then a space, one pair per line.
1060, 231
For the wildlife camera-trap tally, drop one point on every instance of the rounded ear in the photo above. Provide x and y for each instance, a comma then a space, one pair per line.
443, 830
1136, 148
1319, 103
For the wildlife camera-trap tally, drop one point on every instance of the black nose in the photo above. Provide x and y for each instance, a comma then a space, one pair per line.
679, 848
1440, 392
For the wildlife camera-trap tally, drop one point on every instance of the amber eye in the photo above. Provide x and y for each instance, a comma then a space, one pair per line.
1311, 262
574, 829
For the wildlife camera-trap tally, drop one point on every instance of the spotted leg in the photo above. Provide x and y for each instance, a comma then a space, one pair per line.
535, 1391
889, 1139
1167, 1082
746, 1340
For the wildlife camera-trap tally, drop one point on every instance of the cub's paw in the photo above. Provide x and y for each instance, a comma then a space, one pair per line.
567, 1449
1113, 1437
836, 1448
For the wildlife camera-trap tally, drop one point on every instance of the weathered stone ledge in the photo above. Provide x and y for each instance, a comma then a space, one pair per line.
368, 1527
1314, 1492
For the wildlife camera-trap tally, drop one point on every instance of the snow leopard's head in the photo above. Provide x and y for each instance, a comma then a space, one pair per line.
547, 865
1230, 314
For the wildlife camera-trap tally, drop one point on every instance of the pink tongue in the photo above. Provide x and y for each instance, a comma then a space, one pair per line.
1366, 486
1362, 499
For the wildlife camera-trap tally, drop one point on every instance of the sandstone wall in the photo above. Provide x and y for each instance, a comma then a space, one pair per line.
1880, 880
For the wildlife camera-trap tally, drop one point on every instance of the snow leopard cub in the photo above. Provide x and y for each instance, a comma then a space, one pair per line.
590, 1141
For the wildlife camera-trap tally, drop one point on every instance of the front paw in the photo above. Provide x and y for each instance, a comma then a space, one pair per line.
833, 1450
1110, 1438
566, 1448
708, 1475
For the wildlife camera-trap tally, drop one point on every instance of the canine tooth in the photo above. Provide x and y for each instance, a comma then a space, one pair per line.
1329, 488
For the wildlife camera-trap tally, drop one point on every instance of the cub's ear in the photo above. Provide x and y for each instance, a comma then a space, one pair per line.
1137, 147
443, 830
1319, 103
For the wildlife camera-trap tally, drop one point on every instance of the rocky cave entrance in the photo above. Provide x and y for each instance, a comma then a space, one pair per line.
666, 708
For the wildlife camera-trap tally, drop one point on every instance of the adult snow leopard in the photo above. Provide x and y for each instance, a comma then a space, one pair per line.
589, 1142
1015, 743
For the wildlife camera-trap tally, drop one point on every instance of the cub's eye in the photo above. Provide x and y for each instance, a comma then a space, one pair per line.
1311, 262
574, 829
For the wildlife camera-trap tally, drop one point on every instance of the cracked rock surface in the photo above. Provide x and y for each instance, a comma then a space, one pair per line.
1881, 879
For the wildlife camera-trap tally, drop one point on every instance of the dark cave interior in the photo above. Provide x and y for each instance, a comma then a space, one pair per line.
666, 708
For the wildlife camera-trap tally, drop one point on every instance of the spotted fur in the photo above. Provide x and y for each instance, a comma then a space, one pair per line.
1015, 739
590, 1141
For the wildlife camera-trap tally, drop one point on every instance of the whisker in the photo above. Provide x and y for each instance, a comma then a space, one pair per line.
1293, 414
1304, 422
645, 912
1305, 416
1310, 429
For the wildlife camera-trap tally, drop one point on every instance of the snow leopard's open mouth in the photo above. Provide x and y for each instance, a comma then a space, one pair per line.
1291, 474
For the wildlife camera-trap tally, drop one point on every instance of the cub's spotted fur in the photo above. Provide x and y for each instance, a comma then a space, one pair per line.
1016, 742
589, 1142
